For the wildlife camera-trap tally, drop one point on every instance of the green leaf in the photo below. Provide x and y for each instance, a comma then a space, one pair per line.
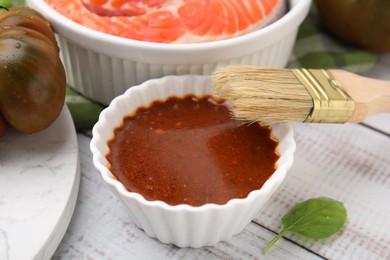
317, 218
11, 3
6, 3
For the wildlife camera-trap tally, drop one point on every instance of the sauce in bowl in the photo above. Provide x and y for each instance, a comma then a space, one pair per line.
190, 151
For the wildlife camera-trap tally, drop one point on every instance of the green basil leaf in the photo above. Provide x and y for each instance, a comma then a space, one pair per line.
317, 218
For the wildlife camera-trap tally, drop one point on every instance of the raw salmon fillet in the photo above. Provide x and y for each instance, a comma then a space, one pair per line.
172, 21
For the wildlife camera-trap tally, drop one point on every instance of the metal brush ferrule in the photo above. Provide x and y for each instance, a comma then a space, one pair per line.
331, 104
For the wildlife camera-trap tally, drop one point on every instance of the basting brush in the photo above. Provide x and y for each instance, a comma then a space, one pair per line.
271, 95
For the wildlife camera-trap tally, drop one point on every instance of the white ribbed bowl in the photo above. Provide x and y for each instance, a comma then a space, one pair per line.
183, 225
103, 66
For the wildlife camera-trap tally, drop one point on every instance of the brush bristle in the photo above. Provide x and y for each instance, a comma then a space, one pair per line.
266, 95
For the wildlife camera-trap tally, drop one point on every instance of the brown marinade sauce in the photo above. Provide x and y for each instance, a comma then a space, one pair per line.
190, 151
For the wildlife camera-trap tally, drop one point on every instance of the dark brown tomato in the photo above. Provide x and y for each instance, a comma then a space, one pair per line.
32, 77
363, 23
3, 125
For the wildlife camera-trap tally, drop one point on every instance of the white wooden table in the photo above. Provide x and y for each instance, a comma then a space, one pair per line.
350, 163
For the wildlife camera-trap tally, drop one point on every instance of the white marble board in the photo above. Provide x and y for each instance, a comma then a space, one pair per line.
39, 182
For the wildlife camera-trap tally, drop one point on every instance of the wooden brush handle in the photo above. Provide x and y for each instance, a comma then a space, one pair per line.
370, 95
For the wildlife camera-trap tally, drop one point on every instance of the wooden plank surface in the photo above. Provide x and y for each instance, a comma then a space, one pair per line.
349, 163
